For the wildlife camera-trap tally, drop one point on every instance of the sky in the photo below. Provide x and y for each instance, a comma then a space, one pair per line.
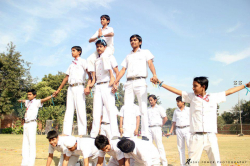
188, 38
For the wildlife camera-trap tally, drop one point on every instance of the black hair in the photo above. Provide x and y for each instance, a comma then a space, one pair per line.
179, 98
52, 134
153, 96
33, 91
138, 37
102, 42
202, 81
78, 48
126, 145
101, 141
106, 17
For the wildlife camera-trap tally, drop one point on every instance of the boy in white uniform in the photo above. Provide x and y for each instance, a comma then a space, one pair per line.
129, 121
203, 118
57, 143
103, 94
144, 153
30, 127
75, 76
181, 122
136, 63
157, 118
110, 147
105, 124
106, 33
81, 146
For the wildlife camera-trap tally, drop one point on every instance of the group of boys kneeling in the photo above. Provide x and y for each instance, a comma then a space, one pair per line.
121, 151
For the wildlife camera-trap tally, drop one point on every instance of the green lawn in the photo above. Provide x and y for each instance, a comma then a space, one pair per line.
232, 148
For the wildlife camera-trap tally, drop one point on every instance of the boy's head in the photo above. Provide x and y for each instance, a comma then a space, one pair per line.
70, 143
152, 100
52, 136
76, 51
102, 143
105, 20
200, 85
31, 94
126, 145
179, 102
100, 46
135, 41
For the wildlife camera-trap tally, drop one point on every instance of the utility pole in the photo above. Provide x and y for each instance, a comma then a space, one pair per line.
238, 83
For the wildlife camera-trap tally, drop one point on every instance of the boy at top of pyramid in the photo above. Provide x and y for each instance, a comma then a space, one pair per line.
106, 33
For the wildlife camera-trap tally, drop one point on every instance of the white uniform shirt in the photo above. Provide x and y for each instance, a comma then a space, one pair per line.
77, 71
109, 40
181, 117
203, 114
59, 147
105, 117
155, 115
101, 74
85, 147
32, 109
130, 115
144, 153
115, 152
137, 63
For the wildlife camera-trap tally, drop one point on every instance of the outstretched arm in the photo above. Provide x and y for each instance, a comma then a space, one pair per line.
236, 89
21, 101
65, 80
120, 75
47, 98
171, 89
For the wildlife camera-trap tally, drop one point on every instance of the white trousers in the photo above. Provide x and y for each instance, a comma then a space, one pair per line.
155, 134
132, 88
105, 130
103, 95
105, 57
29, 144
183, 135
207, 142
75, 100
72, 160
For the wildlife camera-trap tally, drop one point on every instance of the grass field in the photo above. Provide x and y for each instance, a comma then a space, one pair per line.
232, 148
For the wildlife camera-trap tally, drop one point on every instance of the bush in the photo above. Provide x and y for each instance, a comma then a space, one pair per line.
18, 130
7, 130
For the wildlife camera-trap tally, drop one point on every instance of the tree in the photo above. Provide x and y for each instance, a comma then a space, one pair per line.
170, 113
245, 111
228, 117
220, 122
15, 79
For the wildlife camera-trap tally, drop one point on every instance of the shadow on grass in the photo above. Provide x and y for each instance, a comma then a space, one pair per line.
56, 160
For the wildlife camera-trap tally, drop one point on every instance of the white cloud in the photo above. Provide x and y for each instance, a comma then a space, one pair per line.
216, 82
58, 36
5, 39
231, 29
227, 58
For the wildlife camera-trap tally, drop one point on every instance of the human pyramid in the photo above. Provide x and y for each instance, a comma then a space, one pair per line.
196, 126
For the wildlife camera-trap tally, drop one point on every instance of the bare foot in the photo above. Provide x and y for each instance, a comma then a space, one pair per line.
112, 80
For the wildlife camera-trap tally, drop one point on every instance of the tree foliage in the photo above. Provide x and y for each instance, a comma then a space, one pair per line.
15, 79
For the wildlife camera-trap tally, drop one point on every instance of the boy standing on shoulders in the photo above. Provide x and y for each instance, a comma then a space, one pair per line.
181, 122
136, 64
30, 127
75, 76
103, 94
157, 118
57, 143
203, 118
106, 33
